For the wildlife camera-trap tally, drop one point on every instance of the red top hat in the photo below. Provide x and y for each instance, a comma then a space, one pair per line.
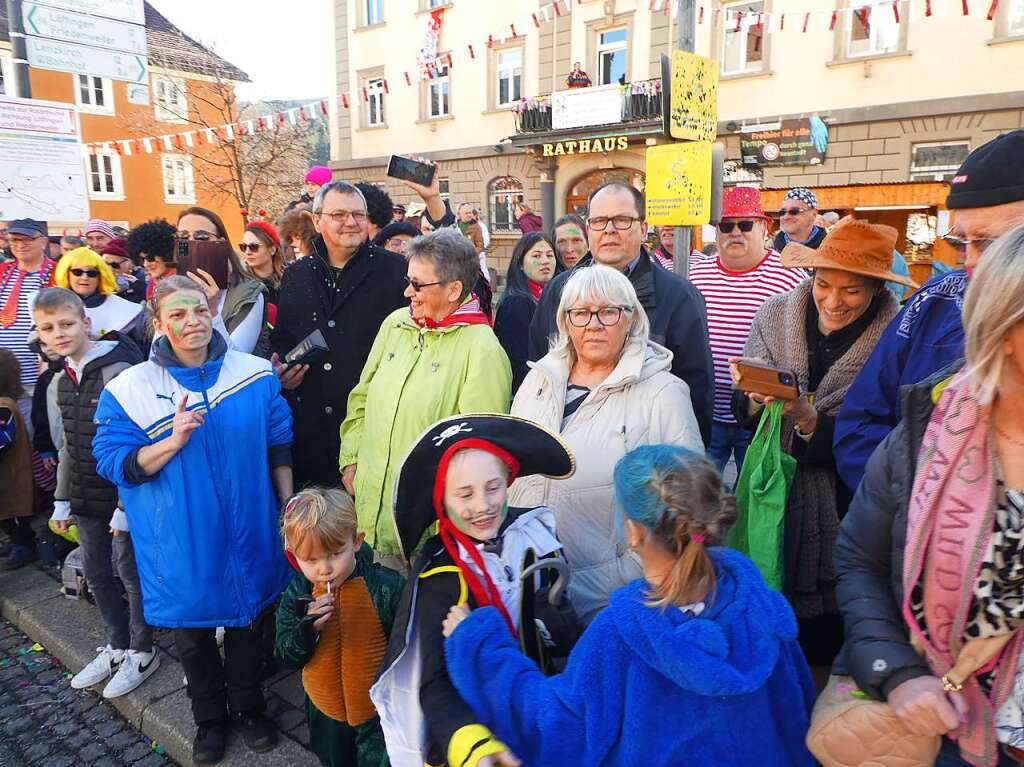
742, 202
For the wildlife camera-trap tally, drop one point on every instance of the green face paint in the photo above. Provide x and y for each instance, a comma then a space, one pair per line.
187, 311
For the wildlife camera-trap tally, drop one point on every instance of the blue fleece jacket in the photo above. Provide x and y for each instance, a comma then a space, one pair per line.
647, 687
205, 527
925, 337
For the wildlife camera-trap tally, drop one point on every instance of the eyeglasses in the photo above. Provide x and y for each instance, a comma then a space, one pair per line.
606, 316
418, 286
726, 227
151, 258
249, 247
23, 242
341, 216
961, 245
396, 244
84, 272
199, 234
792, 211
622, 223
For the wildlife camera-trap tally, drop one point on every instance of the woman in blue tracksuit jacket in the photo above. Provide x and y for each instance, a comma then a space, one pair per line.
197, 439
696, 663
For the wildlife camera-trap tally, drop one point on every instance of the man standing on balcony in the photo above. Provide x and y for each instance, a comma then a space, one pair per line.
577, 77
796, 220
616, 231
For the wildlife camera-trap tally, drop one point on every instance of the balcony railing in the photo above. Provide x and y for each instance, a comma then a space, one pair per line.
638, 102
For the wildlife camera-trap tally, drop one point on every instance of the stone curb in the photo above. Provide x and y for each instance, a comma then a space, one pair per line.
71, 631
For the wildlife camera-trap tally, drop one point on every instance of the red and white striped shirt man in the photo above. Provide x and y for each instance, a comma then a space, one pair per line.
733, 299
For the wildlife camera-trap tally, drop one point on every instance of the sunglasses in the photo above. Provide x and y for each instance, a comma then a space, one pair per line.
726, 227
85, 272
116, 264
248, 247
418, 286
792, 211
151, 258
200, 235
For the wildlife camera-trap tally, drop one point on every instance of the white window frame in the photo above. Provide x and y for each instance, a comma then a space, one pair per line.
375, 101
939, 173
495, 201
7, 84
165, 109
373, 12
177, 168
511, 75
748, 22
1014, 12
603, 48
89, 106
95, 168
443, 86
884, 10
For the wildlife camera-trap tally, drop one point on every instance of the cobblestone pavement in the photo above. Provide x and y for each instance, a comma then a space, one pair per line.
44, 723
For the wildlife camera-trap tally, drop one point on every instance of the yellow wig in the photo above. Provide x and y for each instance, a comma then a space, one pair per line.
86, 259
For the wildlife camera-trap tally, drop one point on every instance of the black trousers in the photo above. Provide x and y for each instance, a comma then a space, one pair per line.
19, 530
216, 687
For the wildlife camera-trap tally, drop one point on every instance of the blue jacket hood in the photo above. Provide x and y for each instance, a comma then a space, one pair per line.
731, 648
195, 379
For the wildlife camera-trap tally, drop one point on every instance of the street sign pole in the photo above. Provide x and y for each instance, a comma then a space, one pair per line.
17, 32
682, 240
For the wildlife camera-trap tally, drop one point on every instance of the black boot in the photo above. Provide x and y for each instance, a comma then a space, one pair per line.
258, 732
211, 739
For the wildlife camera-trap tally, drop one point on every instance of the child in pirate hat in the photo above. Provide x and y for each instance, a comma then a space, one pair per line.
484, 554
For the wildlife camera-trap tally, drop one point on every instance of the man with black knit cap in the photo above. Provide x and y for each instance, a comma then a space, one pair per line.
987, 194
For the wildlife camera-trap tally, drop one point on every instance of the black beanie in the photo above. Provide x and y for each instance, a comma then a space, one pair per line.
993, 174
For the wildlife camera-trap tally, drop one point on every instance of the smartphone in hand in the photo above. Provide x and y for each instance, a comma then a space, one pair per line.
758, 378
406, 168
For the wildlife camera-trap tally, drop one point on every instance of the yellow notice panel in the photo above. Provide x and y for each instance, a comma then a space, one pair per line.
694, 105
678, 186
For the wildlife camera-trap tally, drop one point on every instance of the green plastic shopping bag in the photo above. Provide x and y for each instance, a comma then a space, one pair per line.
761, 492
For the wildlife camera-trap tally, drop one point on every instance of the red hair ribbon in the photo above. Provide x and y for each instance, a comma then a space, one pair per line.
484, 592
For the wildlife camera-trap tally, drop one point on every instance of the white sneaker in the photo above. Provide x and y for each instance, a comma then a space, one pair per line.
100, 668
136, 668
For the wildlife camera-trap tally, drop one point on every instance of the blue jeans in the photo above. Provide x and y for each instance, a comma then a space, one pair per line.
727, 440
949, 756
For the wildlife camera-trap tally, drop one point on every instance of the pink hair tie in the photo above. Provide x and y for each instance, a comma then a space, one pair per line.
697, 537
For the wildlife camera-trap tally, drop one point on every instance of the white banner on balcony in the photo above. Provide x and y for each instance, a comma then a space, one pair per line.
584, 107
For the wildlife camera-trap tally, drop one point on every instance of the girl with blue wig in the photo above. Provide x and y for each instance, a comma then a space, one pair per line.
694, 663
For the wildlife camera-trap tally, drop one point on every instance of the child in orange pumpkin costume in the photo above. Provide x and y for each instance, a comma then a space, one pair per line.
333, 622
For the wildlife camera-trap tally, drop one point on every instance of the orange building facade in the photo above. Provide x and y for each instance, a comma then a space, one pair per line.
127, 189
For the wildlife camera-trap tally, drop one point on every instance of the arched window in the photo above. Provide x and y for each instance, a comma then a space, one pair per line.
503, 193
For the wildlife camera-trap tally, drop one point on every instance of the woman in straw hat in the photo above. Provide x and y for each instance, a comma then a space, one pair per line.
823, 331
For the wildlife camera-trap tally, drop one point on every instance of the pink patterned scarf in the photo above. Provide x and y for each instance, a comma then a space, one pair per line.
949, 528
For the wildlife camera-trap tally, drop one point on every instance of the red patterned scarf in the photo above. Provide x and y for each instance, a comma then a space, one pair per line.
9, 311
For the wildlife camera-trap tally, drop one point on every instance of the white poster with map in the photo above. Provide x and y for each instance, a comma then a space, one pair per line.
41, 171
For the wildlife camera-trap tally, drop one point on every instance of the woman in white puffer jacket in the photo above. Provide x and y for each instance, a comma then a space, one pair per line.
606, 388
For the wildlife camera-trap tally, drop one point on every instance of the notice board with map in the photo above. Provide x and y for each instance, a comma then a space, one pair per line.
41, 171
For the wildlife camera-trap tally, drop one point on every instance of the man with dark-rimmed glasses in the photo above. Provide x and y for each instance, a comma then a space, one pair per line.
344, 288
616, 231
927, 336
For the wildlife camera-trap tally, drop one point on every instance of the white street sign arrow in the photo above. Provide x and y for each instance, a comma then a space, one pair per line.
125, 10
85, 60
72, 27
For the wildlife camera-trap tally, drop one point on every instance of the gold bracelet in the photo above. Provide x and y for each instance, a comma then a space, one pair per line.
948, 685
